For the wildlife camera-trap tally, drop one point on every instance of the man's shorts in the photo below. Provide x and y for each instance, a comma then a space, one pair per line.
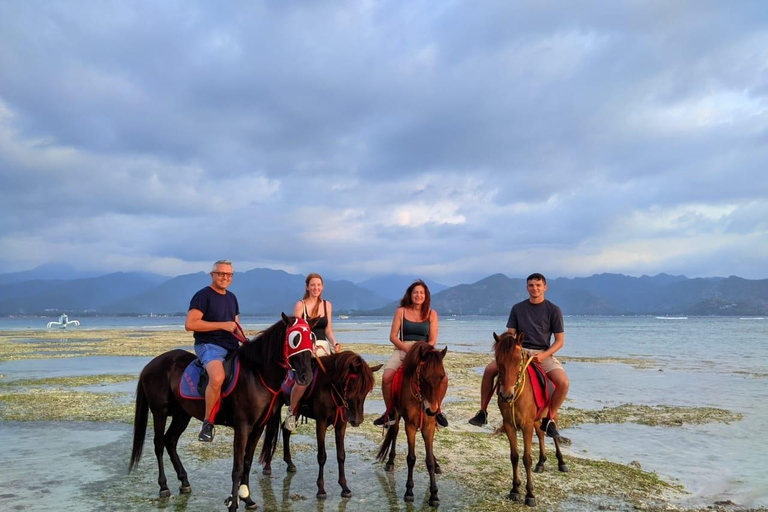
548, 364
396, 359
208, 352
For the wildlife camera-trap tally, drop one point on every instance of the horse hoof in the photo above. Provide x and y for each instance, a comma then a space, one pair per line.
266, 471
408, 499
531, 502
346, 494
515, 496
563, 468
185, 489
539, 468
321, 495
291, 468
389, 467
434, 502
251, 506
165, 493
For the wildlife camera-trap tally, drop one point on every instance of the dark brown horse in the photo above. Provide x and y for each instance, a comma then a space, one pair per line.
336, 398
518, 407
421, 396
263, 364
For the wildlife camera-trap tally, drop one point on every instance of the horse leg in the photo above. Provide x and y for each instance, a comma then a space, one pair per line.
159, 420
428, 434
542, 450
244, 491
237, 466
514, 456
561, 465
530, 499
341, 457
410, 433
322, 456
291, 468
178, 426
390, 466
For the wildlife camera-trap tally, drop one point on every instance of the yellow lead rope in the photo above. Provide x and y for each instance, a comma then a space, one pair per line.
521, 377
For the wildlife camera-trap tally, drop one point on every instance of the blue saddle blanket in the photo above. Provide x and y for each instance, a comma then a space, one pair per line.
190, 386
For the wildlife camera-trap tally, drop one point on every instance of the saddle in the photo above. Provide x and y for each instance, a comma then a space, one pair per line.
542, 386
397, 388
194, 380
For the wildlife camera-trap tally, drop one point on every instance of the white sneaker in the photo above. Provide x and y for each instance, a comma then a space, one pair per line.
290, 423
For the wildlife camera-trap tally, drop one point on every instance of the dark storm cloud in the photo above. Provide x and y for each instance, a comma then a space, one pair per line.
324, 134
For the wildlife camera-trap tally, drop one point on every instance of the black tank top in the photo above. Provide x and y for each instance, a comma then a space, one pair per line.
415, 331
321, 324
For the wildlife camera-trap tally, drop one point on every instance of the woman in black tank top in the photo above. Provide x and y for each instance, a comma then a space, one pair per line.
414, 321
312, 306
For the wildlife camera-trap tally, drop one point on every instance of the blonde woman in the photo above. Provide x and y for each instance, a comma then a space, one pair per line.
414, 321
313, 307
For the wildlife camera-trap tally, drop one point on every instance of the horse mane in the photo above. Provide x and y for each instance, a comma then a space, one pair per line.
505, 347
340, 373
265, 348
421, 352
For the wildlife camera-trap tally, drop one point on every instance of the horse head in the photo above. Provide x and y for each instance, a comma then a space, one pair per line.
425, 365
297, 348
509, 356
352, 380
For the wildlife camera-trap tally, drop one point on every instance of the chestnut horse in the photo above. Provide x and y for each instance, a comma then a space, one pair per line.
423, 373
518, 407
263, 364
335, 398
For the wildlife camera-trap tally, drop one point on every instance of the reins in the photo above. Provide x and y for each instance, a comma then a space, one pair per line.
517, 390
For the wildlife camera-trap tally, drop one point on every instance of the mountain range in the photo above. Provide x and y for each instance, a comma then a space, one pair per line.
51, 290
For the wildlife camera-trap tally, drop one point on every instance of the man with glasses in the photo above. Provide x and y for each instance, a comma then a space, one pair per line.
213, 316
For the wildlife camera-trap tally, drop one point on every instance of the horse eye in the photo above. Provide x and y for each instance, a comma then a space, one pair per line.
294, 339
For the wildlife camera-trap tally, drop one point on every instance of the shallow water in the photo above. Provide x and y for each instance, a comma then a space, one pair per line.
698, 362
93, 475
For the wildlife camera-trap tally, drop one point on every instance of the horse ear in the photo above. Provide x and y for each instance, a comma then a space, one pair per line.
286, 321
443, 352
520, 337
496, 337
376, 368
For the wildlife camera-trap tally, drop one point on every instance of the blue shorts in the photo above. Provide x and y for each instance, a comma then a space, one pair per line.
208, 352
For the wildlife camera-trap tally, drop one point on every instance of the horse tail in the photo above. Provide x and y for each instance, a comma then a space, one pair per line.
271, 437
389, 442
139, 425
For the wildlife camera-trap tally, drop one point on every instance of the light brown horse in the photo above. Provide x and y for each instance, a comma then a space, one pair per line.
518, 407
421, 396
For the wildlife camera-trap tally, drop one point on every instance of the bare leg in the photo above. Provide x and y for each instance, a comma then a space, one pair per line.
215, 371
560, 379
486, 388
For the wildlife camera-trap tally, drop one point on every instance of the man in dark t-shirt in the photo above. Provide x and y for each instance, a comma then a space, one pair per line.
213, 315
540, 320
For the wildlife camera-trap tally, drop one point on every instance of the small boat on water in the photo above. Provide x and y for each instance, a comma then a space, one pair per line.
672, 317
343, 317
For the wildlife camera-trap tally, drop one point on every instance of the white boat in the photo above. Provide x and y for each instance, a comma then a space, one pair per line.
343, 317
672, 317
63, 322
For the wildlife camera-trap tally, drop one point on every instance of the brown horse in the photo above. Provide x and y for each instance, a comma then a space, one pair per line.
263, 364
336, 398
423, 373
518, 407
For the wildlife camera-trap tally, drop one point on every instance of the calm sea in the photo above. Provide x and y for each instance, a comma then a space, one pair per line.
696, 361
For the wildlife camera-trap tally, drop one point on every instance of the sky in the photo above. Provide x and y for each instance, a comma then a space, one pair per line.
444, 139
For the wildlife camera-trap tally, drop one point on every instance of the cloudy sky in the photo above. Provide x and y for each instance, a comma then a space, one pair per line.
445, 139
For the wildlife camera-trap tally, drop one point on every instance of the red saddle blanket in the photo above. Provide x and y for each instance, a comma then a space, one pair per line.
397, 388
542, 387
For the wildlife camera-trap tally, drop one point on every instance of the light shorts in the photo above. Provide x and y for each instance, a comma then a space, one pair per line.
208, 352
396, 359
549, 364
322, 348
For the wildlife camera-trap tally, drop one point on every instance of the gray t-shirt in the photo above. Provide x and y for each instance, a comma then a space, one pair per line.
537, 321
